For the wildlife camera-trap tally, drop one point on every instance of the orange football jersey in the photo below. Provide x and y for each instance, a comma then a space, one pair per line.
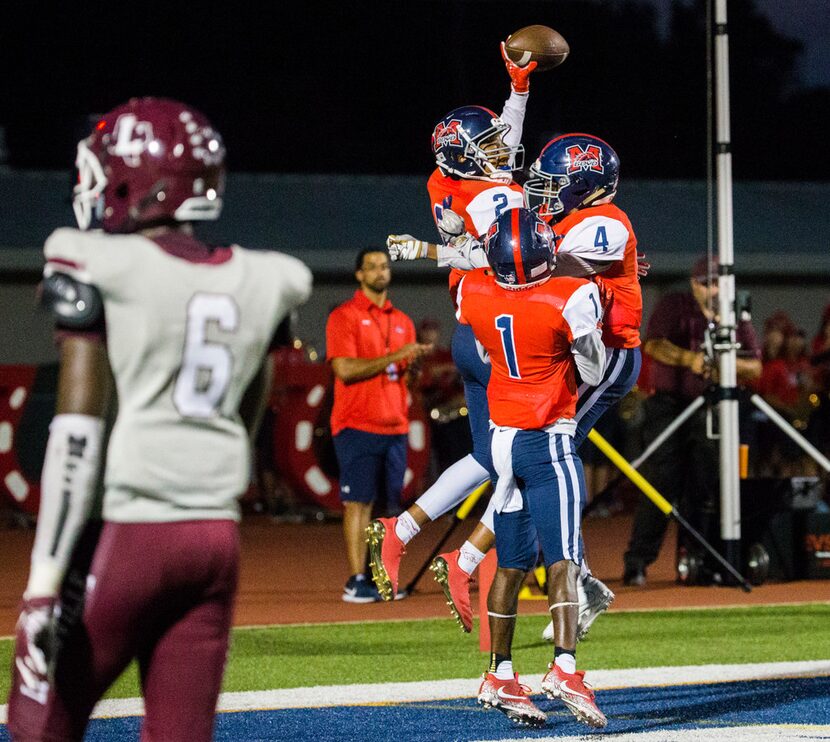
605, 233
478, 202
528, 334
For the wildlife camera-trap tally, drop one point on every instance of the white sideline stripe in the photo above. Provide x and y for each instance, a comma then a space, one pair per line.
665, 608
435, 690
776, 732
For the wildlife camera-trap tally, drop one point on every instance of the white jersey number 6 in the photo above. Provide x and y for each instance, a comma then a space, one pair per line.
206, 366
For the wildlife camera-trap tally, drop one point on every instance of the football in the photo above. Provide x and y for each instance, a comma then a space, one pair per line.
538, 44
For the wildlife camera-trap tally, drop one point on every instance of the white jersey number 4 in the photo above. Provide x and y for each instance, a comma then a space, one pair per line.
207, 366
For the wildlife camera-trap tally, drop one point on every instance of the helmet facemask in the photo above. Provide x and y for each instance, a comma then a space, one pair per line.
494, 159
542, 193
88, 193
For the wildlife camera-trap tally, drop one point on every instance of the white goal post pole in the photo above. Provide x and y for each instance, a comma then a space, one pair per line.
730, 499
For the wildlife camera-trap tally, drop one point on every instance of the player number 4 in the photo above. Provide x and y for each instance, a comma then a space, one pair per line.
207, 366
601, 240
504, 324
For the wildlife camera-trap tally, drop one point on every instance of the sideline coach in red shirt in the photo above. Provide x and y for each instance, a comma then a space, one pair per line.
370, 346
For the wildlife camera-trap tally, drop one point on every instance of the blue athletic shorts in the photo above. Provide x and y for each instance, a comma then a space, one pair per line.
468, 357
372, 467
622, 368
549, 474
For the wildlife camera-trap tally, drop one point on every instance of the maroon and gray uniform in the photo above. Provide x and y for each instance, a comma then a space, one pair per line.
187, 328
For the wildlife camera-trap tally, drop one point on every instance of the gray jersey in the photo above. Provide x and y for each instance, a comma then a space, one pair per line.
184, 341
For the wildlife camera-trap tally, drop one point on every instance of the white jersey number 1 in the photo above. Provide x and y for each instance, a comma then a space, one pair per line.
207, 366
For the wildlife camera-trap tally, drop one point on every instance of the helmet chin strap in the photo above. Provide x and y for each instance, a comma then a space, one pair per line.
599, 195
151, 198
523, 286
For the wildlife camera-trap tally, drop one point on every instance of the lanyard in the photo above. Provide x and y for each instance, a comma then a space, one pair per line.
380, 330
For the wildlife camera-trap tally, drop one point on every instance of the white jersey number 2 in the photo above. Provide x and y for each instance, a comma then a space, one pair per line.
206, 365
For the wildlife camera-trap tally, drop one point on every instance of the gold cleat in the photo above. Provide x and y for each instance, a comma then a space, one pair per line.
375, 533
441, 573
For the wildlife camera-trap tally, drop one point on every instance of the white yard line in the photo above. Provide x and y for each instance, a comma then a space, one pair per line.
771, 732
433, 690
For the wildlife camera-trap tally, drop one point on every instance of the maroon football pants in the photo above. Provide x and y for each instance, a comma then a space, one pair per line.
161, 593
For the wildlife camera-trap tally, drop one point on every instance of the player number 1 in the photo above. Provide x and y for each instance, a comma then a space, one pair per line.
504, 324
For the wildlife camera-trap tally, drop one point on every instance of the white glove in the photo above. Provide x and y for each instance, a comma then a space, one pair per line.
463, 252
35, 647
450, 224
406, 247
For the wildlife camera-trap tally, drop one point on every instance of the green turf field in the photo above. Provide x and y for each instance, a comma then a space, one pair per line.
336, 654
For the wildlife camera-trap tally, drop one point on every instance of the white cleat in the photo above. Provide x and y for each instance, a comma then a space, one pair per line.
512, 699
594, 598
575, 693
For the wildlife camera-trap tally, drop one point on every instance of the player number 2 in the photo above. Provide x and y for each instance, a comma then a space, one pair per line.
499, 203
504, 324
207, 365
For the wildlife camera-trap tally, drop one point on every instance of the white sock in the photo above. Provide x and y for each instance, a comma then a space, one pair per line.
566, 663
406, 528
469, 557
504, 671
489, 516
452, 487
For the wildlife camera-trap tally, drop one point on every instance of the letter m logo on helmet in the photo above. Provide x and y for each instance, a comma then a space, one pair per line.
584, 158
446, 134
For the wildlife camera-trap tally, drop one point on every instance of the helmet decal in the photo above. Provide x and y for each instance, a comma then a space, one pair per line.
446, 133
584, 158
132, 138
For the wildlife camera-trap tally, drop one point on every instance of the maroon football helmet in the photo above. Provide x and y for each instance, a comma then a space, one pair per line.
149, 161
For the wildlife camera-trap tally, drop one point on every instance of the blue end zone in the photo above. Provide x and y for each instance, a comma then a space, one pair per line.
631, 710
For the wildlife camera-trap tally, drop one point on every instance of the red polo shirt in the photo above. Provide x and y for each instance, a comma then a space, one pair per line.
360, 329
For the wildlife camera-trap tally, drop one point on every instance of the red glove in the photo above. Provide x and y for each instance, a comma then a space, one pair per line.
606, 295
519, 76
643, 266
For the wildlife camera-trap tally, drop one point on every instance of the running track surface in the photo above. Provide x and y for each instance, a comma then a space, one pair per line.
274, 554
790, 709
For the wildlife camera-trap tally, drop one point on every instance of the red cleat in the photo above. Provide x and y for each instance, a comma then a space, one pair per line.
455, 583
385, 552
575, 693
511, 698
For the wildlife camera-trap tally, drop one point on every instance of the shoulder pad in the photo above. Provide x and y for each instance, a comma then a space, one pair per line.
75, 305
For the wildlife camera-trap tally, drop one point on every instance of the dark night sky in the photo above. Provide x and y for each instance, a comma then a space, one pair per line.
357, 87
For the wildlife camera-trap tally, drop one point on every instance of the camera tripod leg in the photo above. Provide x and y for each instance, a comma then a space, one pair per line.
789, 430
663, 504
650, 449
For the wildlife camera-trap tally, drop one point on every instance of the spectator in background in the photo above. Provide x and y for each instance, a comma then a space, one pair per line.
686, 463
776, 329
820, 348
819, 428
443, 398
787, 384
371, 347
